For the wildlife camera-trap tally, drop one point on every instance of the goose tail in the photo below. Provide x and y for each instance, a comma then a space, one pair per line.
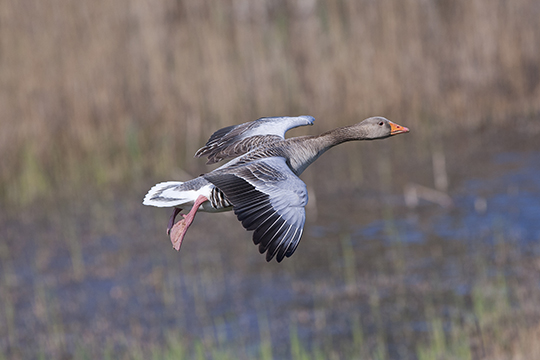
168, 194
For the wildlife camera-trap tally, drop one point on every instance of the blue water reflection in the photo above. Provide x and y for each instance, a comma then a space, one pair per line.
509, 209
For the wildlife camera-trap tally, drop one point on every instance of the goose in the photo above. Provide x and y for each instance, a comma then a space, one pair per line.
261, 183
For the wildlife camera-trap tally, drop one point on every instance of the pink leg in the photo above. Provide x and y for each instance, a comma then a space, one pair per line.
179, 229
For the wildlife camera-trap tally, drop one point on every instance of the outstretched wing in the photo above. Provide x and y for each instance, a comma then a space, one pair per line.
236, 140
268, 198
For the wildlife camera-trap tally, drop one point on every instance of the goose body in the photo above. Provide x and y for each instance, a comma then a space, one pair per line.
260, 184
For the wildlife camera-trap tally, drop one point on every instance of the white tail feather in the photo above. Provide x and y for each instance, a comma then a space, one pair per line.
168, 194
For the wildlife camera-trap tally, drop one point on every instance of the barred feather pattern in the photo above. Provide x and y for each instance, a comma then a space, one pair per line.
219, 151
218, 200
236, 140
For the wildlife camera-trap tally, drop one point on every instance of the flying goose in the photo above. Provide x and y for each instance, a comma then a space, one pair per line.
260, 184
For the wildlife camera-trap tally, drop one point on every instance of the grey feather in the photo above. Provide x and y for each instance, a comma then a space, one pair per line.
268, 198
233, 141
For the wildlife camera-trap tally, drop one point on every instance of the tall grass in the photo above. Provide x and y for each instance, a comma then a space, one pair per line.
104, 91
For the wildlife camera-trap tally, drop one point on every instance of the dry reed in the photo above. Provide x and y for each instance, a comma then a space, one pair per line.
107, 91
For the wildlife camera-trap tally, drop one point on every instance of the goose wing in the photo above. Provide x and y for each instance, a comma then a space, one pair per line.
268, 198
236, 140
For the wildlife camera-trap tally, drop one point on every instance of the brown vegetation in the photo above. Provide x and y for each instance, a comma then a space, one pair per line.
101, 91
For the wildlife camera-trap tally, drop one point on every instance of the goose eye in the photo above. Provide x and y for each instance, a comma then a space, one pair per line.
381, 123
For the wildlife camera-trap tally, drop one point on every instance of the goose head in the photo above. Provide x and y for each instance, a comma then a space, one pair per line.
378, 127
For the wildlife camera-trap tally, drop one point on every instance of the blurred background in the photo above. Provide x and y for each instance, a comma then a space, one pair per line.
423, 246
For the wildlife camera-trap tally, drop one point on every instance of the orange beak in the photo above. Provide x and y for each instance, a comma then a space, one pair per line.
397, 129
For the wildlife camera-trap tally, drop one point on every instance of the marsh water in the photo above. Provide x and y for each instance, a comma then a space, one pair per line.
94, 273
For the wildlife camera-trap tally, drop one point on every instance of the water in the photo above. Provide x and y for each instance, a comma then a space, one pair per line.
97, 274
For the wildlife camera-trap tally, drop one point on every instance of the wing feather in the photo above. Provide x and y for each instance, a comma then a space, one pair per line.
267, 198
236, 140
